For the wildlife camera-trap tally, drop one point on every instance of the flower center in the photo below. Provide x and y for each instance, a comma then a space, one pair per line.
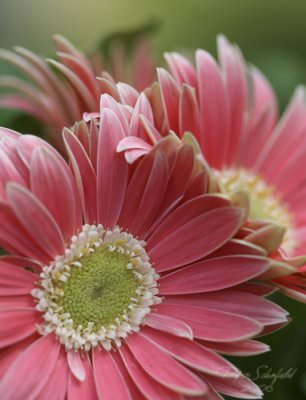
99, 291
265, 203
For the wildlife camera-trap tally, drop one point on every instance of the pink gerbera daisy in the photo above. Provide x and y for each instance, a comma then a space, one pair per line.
123, 282
58, 99
231, 110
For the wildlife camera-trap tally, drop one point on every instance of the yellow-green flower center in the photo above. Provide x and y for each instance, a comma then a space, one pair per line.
265, 203
99, 291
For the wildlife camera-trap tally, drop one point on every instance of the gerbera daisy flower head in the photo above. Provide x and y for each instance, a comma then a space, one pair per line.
232, 111
123, 281
58, 91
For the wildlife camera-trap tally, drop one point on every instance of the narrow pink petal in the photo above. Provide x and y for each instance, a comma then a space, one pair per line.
232, 301
213, 274
8, 171
184, 213
36, 219
56, 386
37, 363
169, 324
259, 289
234, 70
108, 378
11, 353
182, 69
241, 388
181, 174
133, 155
170, 98
81, 390
193, 354
128, 94
163, 368
21, 262
189, 116
149, 387
240, 348
196, 239
12, 302
15, 280
76, 365
84, 174
142, 201
53, 184
15, 239
17, 324
214, 109
132, 142
212, 324
111, 170
238, 247
78, 85
135, 393
108, 101
142, 107
26, 144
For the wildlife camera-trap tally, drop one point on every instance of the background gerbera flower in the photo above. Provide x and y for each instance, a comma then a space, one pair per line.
58, 92
232, 111
123, 281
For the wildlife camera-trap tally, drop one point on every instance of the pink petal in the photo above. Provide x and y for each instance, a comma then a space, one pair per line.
128, 94
142, 200
81, 390
109, 381
142, 107
170, 97
133, 155
53, 184
169, 324
108, 101
241, 388
172, 374
132, 142
236, 86
245, 304
182, 69
196, 239
56, 387
184, 213
12, 302
214, 274
15, 280
214, 109
84, 174
212, 324
111, 170
17, 324
240, 348
189, 116
37, 364
11, 353
193, 354
36, 219
76, 365
16, 239
149, 387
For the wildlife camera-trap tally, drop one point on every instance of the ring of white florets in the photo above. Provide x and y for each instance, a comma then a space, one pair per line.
60, 322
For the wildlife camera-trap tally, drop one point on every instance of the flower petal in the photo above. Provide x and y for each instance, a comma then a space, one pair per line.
37, 363
109, 381
17, 324
172, 374
196, 239
111, 170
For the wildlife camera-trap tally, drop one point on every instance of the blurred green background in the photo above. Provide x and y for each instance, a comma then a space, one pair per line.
271, 35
